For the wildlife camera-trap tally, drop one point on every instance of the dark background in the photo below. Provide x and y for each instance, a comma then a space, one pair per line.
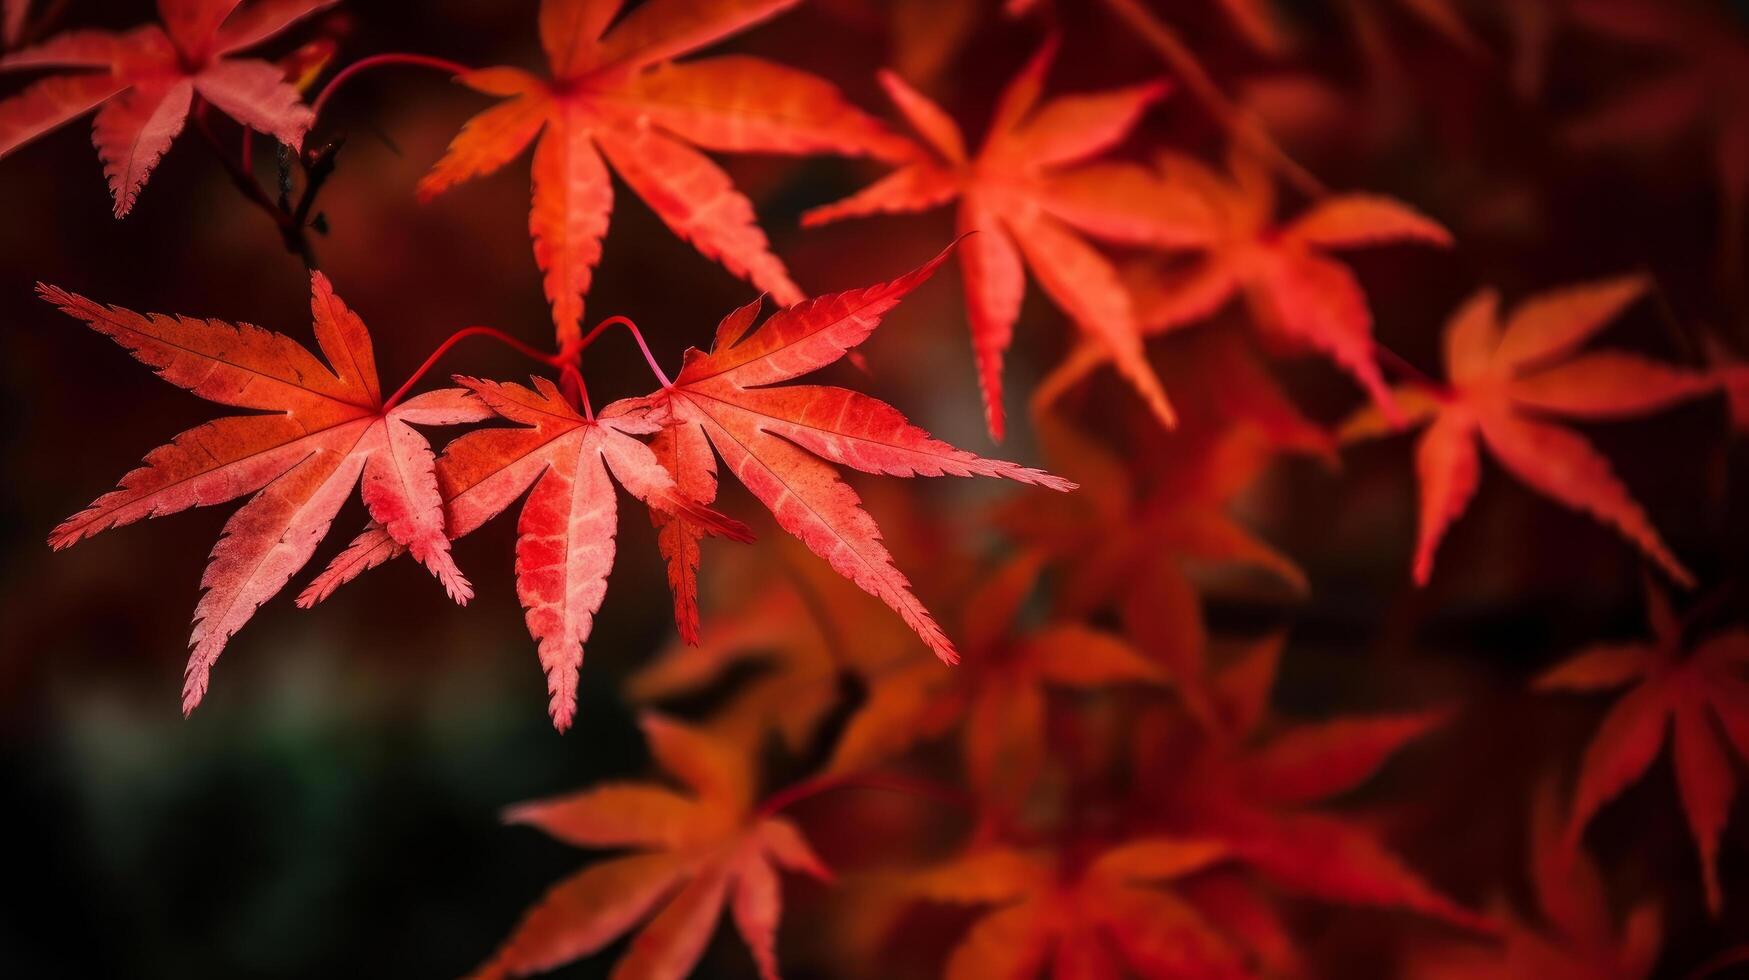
330, 810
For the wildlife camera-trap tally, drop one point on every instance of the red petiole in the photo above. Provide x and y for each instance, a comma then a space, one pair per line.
380, 61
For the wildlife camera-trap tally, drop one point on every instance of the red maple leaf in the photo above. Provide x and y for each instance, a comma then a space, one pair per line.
1577, 935
769, 438
1294, 291
999, 698
695, 853
1502, 378
329, 427
1258, 790
1696, 692
1027, 192
143, 84
1068, 915
617, 94
565, 532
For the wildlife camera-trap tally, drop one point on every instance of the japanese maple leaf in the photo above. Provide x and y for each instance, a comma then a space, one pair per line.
1294, 290
789, 638
1708, 62
1067, 916
693, 854
143, 83
770, 437
1577, 937
1258, 791
616, 94
1140, 534
999, 697
1025, 196
1696, 693
1502, 379
328, 428
565, 531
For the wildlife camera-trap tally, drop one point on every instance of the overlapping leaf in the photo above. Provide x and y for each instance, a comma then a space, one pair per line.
328, 428
565, 531
1577, 936
1261, 795
1030, 193
1294, 290
1061, 916
779, 441
1502, 378
615, 93
999, 698
143, 83
1688, 696
693, 855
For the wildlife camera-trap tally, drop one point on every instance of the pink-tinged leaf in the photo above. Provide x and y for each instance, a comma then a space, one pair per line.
804, 337
265, 543
995, 286
864, 433
1447, 470
1555, 323
85, 49
132, 132
1608, 384
1619, 754
810, 502
256, 94
488, 141
928, 119
663, 29
50, 103
262, 20
1075, 127
758, 906
741, 104
698, 202
1561, 465
1314, 762
573, 200
686, 454
1358, 220
1707, 783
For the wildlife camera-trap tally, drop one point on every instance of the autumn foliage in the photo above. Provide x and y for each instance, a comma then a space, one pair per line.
1266, 381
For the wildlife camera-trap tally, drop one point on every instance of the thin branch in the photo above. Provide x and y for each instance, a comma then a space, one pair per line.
456, 338
379, 61
576, 352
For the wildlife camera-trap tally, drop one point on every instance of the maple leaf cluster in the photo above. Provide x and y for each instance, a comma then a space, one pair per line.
1054, 732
